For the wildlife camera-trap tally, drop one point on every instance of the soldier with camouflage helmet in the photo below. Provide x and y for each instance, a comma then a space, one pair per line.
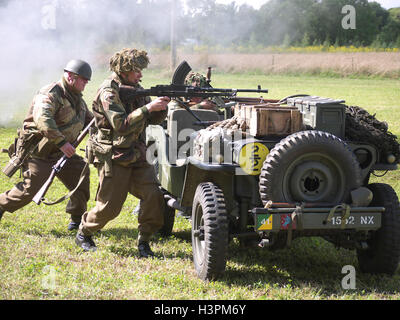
57, 115
119, 153
196, 79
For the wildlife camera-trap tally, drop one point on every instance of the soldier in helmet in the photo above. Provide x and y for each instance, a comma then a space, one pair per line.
58, 113
119, 153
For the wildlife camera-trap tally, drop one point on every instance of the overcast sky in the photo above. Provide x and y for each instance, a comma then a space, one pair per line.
258, 3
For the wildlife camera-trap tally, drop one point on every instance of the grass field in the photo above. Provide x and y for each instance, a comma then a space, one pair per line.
336, 63
39, 259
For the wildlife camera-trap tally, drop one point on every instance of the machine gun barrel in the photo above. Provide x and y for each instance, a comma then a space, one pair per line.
234, 91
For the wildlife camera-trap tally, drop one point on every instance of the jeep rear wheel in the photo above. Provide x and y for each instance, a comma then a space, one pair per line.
383, 252
309, 166
209, 231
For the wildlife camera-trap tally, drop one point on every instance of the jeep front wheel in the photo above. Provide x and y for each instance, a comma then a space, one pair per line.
209, 231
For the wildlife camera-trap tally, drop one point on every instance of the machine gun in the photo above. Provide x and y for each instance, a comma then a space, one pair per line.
176, 91
128, 93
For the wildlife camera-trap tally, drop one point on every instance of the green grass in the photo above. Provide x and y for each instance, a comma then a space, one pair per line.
35, 244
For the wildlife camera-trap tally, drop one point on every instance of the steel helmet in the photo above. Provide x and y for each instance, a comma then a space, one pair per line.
79, 67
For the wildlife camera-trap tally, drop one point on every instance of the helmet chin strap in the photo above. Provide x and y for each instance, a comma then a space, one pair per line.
124, 78
74, 77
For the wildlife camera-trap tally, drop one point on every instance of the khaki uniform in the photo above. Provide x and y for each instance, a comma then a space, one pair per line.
59, 115
119, 155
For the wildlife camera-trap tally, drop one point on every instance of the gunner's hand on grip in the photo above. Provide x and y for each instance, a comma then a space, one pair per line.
158, 104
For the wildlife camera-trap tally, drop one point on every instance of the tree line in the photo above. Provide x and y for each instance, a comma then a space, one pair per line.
292, 23
207, 23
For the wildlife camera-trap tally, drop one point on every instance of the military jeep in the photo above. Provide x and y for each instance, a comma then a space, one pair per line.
276, 170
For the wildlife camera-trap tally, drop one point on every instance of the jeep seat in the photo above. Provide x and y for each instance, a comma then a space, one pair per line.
181, 124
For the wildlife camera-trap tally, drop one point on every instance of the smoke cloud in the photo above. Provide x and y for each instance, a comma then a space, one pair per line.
40, 37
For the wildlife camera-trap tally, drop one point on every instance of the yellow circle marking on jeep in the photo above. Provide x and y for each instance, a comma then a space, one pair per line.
252, 156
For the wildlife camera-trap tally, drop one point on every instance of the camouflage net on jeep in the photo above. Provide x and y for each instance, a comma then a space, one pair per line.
364, 127
214, 136
232, 124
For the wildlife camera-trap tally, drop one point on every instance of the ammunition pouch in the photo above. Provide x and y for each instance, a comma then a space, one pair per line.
89, 152
20, 150
89, 149
99, 150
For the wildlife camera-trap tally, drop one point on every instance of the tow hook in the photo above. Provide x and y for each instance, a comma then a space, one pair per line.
264, 243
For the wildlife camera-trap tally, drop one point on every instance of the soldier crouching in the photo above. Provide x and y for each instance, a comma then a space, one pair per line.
57, 115
119, 153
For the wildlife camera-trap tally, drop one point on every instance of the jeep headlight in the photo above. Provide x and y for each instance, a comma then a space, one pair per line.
391, 158
251, 157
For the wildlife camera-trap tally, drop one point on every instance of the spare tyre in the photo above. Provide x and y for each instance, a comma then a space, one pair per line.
309, 166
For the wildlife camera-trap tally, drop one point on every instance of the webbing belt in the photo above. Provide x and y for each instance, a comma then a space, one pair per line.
296, 216
345, 214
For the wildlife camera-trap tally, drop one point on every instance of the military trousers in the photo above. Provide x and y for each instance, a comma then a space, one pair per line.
36, 172
141, 182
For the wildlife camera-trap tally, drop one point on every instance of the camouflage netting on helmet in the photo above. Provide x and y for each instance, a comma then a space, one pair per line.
200, 80
364, 127
128, 60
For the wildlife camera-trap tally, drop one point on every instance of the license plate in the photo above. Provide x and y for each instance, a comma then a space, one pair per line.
360, 220
317, 221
